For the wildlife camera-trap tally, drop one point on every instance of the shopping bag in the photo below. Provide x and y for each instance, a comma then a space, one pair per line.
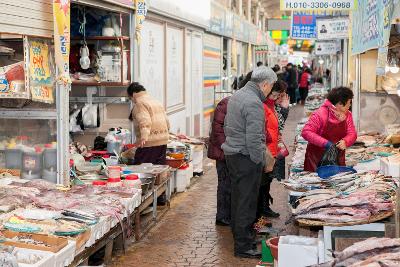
330, 157
283, 152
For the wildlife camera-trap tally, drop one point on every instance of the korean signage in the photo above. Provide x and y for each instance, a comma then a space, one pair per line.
217, 19
318, 5
140, 15
326, 48
330, 29
371, 24
304, 24
40, 71
62, 17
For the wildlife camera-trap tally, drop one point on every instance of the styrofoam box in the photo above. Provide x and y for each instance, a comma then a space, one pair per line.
47, 260
297, 251
378, 227
390, 168
66, 255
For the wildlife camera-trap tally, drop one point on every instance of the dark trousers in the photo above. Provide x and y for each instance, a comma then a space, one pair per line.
245, 181
292, 95
156, 155
223, 192
279, 171
264, 196
303, 93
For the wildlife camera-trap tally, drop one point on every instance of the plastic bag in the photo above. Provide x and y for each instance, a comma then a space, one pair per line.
330, 157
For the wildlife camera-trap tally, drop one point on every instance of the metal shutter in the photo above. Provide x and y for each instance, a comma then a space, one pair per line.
28, 17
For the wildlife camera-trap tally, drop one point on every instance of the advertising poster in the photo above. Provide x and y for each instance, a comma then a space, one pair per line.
326, 48
304, 24
331, 29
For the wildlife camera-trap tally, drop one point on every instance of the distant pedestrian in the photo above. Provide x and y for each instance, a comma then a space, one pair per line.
304, 85
292, 82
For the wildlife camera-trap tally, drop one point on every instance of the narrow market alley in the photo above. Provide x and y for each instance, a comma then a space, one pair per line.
188, 236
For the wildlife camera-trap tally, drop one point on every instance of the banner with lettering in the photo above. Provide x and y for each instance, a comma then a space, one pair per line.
140, 15
62, 34
371, 25
41, 70
304, 24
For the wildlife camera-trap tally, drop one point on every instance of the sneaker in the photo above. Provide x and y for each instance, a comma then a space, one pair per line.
271, 214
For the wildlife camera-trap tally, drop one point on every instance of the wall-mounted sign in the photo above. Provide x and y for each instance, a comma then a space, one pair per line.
326, 48
331, 29
318, 5
40, 70
278, 24
304, 24
261, 48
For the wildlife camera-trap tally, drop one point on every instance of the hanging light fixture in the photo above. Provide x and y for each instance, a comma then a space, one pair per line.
321, 61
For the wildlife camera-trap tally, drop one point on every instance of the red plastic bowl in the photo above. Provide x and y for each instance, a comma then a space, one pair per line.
272, 243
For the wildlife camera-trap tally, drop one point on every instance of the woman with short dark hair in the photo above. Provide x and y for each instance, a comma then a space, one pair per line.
332, 124
273, 135
151, 126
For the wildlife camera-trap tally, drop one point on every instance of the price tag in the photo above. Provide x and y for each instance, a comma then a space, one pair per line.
318, 4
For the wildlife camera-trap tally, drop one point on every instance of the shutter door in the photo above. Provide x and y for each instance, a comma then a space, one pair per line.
212, 53
27, 17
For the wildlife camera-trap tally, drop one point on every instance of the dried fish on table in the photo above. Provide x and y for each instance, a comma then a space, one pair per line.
370, 252
359, 206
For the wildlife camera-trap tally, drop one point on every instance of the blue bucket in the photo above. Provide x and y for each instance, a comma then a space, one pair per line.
331, 170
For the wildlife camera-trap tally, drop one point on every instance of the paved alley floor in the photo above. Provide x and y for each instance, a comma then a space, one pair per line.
188, 236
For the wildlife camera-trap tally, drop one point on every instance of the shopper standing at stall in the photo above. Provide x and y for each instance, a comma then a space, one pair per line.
151, 126
217, 138
272, 130
245, 153
331, 125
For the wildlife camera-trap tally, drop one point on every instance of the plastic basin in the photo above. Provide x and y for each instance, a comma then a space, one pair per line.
331, 170
272, 243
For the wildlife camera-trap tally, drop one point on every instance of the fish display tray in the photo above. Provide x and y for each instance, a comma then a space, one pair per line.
375, 218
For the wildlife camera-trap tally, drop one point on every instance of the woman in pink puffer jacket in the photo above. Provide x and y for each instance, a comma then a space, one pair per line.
331, 124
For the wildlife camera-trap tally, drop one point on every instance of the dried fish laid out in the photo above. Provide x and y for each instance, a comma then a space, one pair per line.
372, 252
342, 183
360, 207
7, 259
371, 139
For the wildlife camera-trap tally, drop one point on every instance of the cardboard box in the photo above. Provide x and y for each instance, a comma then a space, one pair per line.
54, 243
297, 251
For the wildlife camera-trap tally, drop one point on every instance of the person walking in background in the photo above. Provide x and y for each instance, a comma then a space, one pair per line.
217, 138
331, 125
245, 154
291, 80
151, 126
304, 85
248, 76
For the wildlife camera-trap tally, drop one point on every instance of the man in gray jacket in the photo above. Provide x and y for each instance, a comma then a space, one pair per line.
245, 153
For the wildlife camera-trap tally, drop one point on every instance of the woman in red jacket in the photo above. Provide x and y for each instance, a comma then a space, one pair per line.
304, 84
331, 124
273, 136
217, 138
